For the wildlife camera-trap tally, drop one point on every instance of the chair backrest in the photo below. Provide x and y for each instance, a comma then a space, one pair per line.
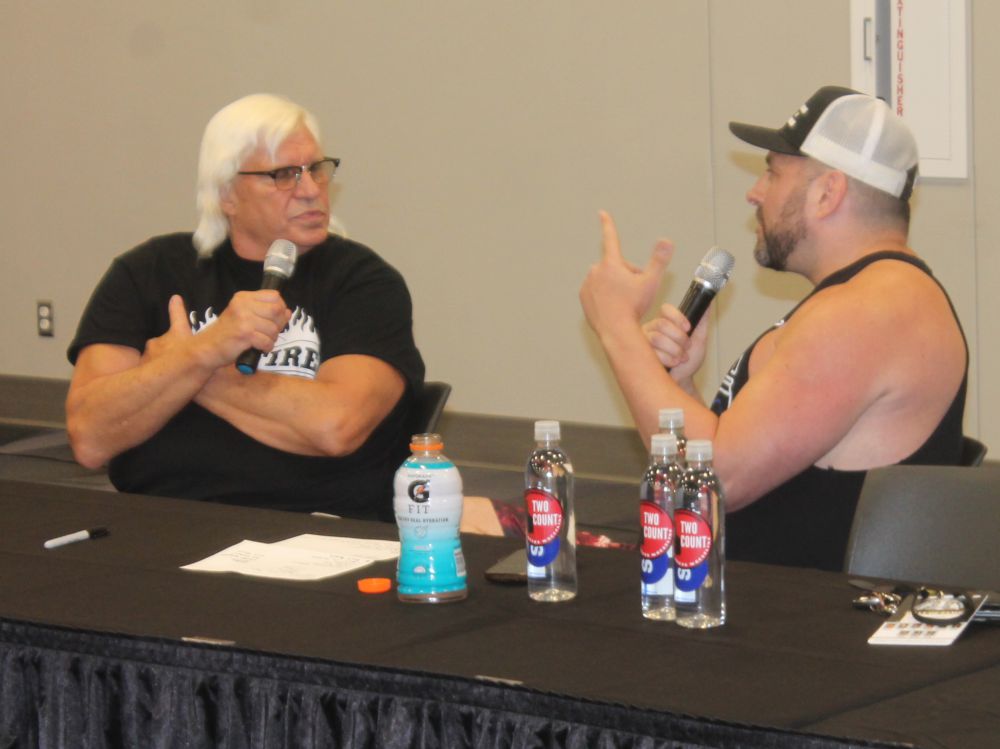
973, 452
428, 403
929, 524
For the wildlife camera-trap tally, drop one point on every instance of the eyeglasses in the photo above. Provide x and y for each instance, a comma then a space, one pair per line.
287, 177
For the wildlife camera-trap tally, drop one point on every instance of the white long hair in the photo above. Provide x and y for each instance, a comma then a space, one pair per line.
232, 134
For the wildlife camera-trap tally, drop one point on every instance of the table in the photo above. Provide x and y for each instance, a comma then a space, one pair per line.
91, 646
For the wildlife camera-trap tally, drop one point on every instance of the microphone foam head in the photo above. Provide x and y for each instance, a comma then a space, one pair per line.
715, 268
280, 258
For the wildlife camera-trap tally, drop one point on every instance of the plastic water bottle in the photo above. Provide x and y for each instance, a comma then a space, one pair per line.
700, 553
657, 495
672, 422
551, 523
428, 506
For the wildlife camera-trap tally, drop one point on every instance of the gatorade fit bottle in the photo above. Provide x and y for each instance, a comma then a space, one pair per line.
428, 506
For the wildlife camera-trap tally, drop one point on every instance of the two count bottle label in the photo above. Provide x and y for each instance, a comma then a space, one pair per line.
545, 520
694, 543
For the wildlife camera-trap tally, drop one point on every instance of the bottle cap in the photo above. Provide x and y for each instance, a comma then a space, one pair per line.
546, 430
426, 443
671, 418
374, 584
663, 444
699, 450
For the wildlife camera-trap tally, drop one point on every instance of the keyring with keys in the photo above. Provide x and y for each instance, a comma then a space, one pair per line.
879, 601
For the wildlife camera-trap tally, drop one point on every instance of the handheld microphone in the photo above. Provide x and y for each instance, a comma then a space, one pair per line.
279, 263
709, 278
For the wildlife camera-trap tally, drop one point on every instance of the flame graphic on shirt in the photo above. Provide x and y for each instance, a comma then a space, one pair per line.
296, 350
199, 325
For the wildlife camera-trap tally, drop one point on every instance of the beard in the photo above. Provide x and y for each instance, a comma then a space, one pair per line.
776, 243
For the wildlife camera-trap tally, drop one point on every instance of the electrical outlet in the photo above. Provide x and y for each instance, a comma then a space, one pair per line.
46, 321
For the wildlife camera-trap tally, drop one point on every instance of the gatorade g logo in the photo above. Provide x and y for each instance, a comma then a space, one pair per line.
694, 539
419, 491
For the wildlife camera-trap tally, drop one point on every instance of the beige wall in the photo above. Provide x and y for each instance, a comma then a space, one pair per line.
478, 142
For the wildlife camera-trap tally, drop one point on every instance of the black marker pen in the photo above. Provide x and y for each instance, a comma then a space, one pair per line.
72, 538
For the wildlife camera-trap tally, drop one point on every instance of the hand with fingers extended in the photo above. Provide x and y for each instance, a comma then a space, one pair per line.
680, 349
615, 292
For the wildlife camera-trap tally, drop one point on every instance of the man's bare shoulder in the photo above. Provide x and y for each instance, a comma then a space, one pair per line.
889, 324
890, 296
877, 358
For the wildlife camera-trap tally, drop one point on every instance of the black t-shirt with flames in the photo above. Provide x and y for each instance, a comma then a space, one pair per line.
345, 300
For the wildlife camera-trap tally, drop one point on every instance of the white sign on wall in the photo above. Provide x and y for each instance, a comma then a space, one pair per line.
914, 54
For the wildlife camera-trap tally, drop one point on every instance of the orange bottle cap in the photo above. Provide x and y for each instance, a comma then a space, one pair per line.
426, 447
374, 584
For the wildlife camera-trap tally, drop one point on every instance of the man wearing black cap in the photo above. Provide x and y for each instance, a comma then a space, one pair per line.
868, 370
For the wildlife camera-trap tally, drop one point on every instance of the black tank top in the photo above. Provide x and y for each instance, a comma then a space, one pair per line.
806, 521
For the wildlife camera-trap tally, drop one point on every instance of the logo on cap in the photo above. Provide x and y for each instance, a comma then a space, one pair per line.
794, 119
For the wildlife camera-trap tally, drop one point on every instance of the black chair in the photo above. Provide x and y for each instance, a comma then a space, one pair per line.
428, 403
973, 452
929, 524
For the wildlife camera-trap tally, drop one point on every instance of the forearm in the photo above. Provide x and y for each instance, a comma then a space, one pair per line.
260, 406
107, 414
307, 417
648, 387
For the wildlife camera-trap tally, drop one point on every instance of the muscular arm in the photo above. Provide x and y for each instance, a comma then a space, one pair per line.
648, 387
331, 415
116, 402
859, 377
755, 441
615, 296
845, 383
810, 384
119, 397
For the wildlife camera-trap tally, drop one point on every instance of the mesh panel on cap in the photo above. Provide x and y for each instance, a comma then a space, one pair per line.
861, 137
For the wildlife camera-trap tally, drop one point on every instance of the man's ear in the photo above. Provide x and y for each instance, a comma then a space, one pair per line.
830, 191
227, 202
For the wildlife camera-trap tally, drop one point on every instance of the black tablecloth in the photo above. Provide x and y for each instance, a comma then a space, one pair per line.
106, 618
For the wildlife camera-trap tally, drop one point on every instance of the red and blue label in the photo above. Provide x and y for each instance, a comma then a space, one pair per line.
544, 520
657, 540
694, 543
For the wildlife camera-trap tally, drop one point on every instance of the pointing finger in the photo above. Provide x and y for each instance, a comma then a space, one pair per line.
609, 234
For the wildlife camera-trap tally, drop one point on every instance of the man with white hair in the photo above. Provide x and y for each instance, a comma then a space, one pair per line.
155, 392
869, 370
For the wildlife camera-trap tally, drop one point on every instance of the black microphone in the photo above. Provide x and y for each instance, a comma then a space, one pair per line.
709, 278
278, 266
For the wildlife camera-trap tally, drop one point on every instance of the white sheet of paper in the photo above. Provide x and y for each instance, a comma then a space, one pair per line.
369, 548
276, 561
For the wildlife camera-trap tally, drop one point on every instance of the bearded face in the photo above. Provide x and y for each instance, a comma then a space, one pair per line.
778, 239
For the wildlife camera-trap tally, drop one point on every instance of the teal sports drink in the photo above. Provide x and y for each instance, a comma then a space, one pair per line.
428, 506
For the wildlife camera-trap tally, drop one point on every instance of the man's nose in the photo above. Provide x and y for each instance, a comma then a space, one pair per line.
755, 195
306, 187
